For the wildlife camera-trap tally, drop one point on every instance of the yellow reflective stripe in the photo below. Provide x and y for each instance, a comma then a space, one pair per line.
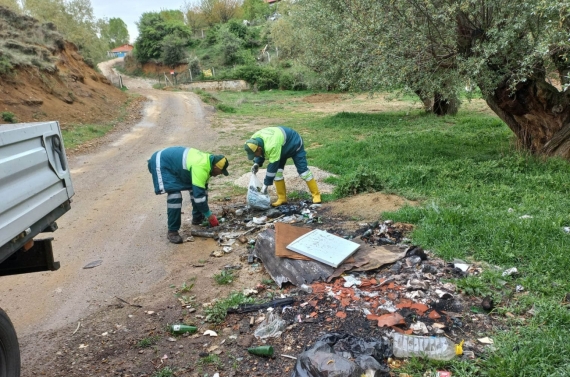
307, 176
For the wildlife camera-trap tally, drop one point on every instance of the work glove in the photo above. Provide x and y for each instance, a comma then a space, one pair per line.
264, 190
213, 220
255, 168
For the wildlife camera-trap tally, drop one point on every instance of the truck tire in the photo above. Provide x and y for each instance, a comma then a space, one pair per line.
9, 348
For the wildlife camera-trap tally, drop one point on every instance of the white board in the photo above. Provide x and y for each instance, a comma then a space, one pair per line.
324, 247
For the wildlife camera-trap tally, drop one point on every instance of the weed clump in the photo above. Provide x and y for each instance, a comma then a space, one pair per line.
362, 180
217, 312
8, 116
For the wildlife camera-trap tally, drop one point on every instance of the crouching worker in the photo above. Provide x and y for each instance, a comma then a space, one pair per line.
177, 169
277, 144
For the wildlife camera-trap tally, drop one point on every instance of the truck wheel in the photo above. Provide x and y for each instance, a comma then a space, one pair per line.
9, 348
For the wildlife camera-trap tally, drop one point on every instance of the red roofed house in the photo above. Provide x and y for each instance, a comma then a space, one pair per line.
120, 51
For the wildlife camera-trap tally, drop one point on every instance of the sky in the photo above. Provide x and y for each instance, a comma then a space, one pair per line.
130, 10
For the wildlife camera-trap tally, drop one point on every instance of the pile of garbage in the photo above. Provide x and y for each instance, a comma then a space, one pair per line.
395, 291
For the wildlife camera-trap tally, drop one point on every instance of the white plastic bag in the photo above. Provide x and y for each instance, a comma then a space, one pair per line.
271, 327
256, 199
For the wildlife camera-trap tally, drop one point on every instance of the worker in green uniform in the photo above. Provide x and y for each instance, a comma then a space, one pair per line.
177, 169
278, 144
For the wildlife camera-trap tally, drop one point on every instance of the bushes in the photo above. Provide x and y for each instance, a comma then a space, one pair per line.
8, 116
362, 180
5, 65
264, 77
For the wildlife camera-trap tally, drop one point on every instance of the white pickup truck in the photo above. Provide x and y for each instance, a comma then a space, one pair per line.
35, 190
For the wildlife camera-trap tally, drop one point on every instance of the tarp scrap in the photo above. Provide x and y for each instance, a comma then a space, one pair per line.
283, 270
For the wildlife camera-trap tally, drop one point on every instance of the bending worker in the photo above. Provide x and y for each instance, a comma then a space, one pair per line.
277, 144
177, 169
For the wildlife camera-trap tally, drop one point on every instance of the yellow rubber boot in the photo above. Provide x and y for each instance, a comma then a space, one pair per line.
312, 184
281, 193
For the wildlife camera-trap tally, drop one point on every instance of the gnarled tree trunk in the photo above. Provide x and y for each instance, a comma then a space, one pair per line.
538, 114
438, 104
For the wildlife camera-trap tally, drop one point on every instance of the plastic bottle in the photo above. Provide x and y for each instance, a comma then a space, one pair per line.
182, 329
436, 348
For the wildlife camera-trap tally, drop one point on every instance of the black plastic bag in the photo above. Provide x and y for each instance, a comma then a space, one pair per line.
331, 356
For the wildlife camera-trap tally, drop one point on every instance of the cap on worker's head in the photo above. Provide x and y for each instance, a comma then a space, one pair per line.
221, 162
250, 147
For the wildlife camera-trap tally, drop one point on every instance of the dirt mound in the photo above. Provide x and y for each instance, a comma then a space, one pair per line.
322, 97
43, 77
368, 206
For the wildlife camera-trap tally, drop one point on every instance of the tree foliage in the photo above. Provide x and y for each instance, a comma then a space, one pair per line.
229, 44
154, 28
194, 17
11, 4
173, 50
220, 11
114, 32
509, 49
255, 9
74, 19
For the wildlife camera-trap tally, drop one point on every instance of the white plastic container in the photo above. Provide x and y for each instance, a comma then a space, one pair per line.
436, 348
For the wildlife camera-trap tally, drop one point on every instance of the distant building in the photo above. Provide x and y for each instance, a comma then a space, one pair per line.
120, 51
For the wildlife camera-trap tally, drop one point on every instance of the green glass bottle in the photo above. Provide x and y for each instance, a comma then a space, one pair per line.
261, 351
182, 329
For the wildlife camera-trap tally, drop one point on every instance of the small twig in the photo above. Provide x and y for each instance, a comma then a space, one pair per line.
275, 219
78, 325
289, 357
128, 303
249, 231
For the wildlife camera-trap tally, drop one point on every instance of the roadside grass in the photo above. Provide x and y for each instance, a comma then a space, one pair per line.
77, 134
476, 189
271, 104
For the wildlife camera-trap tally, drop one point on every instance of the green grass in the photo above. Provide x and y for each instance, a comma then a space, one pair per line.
211, 359
224, 277
271, 104
164, 372
473, 187
217, 312
148, 341
76, 135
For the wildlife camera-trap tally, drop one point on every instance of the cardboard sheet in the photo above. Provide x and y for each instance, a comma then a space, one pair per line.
284, 235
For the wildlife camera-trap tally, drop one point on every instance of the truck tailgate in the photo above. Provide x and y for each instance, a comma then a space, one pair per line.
35, 184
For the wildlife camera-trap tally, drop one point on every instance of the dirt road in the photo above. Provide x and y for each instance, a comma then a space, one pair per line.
115, 217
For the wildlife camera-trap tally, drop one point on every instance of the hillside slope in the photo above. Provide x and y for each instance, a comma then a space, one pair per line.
43, 77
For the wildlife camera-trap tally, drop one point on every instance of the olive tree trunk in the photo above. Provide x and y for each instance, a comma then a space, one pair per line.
438, 104
538, 114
